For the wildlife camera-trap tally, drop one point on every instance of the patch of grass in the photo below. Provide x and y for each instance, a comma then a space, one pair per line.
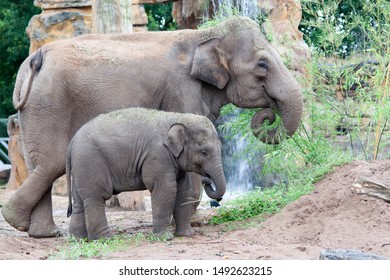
249, 206
84, 249
260, 203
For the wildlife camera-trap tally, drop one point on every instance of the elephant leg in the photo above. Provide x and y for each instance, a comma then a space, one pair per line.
163, 202
77, 224
183, 208
17, 211
41, 220
196, 195
96, 219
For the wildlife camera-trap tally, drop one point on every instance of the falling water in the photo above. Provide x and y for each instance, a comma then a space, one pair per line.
241, 173
247, 8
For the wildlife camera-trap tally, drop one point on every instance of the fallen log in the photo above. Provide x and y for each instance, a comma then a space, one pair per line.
372, 188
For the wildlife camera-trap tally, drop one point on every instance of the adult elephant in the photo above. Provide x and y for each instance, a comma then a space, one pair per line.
66, 83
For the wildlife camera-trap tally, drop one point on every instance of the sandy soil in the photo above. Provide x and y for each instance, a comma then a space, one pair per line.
332, 217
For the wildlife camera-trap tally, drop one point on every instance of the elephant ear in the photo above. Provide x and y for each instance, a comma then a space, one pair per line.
176, 138
210, 63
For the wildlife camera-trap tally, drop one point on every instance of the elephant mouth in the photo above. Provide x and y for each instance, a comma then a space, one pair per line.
259, 119
207, 180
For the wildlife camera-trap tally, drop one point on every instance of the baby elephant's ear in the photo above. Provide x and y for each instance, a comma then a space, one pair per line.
176, 138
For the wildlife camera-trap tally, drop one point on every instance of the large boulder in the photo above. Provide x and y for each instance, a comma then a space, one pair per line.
61, 23
282, 25
61, 4
348, 255
61, 19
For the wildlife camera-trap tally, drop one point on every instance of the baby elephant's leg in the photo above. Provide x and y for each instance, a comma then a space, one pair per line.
163, 202
183, 207
77, 226
95, 217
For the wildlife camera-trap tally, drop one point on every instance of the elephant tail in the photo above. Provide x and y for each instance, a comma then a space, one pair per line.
69, 183
35, 65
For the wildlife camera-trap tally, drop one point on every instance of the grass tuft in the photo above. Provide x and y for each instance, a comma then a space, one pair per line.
84, 249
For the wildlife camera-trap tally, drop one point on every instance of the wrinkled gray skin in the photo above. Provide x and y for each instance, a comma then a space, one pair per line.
67, 83
138, 149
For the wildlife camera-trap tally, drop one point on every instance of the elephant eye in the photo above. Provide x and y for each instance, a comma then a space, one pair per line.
203, 154
261, 69
262, 64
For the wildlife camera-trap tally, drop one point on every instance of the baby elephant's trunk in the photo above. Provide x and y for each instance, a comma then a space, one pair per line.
217, 176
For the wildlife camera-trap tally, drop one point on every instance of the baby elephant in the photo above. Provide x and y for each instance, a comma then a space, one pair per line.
137, 149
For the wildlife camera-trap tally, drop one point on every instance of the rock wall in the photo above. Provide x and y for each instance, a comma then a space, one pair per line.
61, 19
189, 13
282, 25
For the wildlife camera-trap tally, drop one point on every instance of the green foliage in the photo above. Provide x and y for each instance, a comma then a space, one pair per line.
84, 249
360, 110
251, 205
160, 17
14, 43
341, 28
357, 31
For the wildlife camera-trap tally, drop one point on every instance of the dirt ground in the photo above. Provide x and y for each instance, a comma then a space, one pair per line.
332, 217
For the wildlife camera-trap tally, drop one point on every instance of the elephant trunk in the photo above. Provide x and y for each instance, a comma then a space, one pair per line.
217, 176
290, 107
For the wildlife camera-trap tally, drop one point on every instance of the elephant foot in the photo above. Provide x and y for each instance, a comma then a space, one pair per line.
162, 232
166, 235
185, 231
44, 230
78, 234
106, 233
15, 216
77, 226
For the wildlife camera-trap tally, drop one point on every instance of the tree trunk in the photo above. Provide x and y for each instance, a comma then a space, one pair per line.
372, 188
111, 16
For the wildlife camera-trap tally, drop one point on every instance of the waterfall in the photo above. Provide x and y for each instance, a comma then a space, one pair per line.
241, 173
247, 8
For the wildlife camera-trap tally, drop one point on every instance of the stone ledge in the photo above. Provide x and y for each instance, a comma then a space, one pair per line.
60, 4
